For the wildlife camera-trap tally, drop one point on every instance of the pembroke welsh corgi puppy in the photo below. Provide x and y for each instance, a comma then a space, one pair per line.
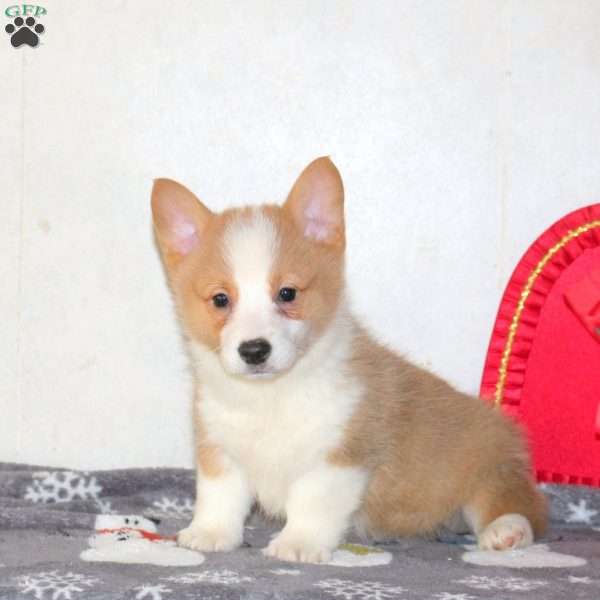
298, 408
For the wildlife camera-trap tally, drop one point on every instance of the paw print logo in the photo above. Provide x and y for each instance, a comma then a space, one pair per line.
24, 32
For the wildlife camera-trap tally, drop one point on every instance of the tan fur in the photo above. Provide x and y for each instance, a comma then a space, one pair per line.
316, 272
432, 450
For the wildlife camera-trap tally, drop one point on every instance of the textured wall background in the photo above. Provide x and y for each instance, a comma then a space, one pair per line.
462, 130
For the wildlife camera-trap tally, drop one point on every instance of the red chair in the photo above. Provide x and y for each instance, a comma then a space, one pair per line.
543, 361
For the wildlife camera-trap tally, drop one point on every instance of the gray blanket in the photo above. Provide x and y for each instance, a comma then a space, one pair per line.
72, 535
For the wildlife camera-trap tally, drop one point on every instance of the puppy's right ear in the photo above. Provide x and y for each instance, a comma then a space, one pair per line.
179, 220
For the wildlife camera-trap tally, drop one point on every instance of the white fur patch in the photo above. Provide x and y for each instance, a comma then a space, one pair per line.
537, 556
222, 504
318, 510
278, 430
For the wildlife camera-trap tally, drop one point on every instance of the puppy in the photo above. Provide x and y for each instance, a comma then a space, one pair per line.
298, 408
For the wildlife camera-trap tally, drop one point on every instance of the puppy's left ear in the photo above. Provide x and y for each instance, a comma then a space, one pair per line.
316, 203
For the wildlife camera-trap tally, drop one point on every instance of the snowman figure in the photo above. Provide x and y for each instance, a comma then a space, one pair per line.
135, 539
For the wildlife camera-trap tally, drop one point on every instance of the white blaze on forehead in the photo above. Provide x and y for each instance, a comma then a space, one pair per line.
250, 246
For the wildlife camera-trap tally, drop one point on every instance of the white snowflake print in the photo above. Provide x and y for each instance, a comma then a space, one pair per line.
365, 590
57, 585
62, 486
580, 513
225, 576
152, 592
174, 507
573, 579
513, 584
285, 571
104, 507
448, 596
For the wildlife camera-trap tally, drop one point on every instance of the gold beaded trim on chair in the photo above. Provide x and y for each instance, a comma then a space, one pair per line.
514, 324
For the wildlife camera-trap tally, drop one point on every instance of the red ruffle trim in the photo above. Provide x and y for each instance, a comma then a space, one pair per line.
523, 340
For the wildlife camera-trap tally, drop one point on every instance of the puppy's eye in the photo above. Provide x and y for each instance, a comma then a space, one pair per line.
287, 294
220, 300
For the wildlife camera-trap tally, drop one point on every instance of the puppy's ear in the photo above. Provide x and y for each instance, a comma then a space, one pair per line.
316, 203
179, 220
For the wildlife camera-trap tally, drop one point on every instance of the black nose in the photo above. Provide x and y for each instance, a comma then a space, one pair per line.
255, 352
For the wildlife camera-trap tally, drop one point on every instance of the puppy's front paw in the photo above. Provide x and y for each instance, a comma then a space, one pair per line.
292, 548
208, 540
506, 533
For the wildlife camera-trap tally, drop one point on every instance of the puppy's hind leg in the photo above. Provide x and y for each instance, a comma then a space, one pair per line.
506, 511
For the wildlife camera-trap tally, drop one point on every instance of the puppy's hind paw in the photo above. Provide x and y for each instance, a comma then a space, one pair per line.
507, 532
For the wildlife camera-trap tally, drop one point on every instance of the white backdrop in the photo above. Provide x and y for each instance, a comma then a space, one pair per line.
462, 130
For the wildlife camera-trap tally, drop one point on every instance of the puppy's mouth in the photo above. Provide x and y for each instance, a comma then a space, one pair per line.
260, 372
249, 372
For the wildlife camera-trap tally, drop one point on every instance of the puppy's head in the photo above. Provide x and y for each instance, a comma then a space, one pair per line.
255, 285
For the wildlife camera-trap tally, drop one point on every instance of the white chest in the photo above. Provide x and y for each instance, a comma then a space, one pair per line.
276, 432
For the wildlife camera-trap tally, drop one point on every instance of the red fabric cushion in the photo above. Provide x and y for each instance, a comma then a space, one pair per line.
543, 362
